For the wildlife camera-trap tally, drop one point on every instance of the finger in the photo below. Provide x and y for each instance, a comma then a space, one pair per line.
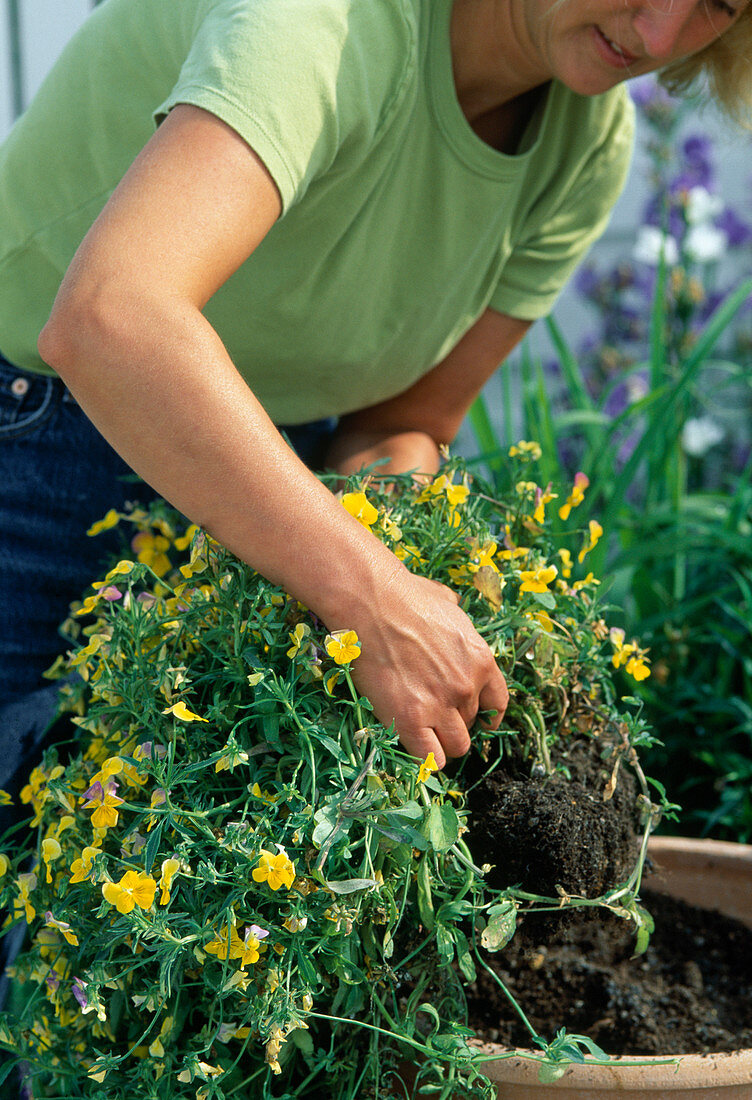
453, 735
494, 697
420, 743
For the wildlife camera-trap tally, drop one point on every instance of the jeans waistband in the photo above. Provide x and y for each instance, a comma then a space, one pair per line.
30, 376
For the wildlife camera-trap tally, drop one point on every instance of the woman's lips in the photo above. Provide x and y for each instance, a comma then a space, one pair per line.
611, 52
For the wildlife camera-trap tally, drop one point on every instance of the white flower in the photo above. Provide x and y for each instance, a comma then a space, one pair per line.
699, 434
702, 206
704, 243
651, 242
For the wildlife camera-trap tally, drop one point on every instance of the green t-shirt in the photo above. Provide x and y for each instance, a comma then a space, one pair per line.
399, 225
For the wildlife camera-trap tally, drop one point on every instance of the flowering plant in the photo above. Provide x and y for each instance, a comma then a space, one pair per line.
236, 883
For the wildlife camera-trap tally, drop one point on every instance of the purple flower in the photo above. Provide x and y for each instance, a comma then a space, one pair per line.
79, 992
736, 229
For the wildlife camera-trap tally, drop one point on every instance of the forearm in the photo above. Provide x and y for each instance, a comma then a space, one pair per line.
177, 411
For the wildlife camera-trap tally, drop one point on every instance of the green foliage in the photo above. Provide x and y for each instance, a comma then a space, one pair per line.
678, 556
236, 882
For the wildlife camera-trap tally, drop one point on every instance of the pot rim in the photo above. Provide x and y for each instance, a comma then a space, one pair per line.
671, 854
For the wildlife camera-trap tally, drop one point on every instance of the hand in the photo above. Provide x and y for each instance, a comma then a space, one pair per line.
424, 666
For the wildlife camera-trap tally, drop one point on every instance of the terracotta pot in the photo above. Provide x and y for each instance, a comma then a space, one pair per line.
709, 874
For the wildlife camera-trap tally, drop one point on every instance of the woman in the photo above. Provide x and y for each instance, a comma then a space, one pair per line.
349, 208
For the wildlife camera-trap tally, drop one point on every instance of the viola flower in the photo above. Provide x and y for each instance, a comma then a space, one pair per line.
342, 646
112, 766
276, 869
301, 640
245, 949
5, 799
26, 884
62, 926
232, 756
428, 766
105, 524
180, 710
81, 868
542, 498
51, 851
134, 888
482, 556
529, 451
628, 654
537, 580
150, 550
4, 865
105, 800
594, 533
542, 618
170, 867
158, 798
360, 508
576, 497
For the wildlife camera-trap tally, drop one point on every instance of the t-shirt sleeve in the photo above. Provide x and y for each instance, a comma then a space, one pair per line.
301, 81
567, 218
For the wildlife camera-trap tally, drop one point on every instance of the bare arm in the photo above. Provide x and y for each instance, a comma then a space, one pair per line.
128, 337
409, 429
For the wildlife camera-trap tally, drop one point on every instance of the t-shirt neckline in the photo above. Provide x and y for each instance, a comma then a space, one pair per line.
457, 131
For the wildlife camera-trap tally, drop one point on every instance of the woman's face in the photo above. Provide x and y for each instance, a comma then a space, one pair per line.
590, 45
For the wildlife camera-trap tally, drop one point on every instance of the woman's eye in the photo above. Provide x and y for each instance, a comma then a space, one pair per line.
724, 8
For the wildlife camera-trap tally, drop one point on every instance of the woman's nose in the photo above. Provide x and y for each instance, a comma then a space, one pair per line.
659, 24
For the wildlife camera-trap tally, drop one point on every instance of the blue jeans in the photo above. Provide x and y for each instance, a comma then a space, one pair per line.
57, 476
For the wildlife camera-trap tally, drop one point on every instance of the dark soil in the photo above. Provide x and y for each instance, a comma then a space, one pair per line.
691, 992
544, 832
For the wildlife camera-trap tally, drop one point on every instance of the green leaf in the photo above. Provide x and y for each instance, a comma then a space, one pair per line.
425, 897
152, 845
550, 1072
545, 599
349, 885
442, 827
502, 924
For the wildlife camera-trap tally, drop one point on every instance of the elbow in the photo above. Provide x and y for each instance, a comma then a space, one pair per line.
82, 331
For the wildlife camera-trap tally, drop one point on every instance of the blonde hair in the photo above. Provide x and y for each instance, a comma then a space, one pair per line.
722, 71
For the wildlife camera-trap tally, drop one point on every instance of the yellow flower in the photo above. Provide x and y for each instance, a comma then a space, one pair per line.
359, 506
180, 710
628, 654
527, 450
566, 563
594, 533
428, 766
4, 865
232, 756
264, 796
542, 498
112, 766
81, 868
62, 926
150, 550
276, 869
51, 851
542, 618
26, 884
184, 541
482, 555
342, 646
135, 888
5, 799
576, 497
537, 580
169, 869
456, 495
105, 800
110, 520
246, 950
300, 638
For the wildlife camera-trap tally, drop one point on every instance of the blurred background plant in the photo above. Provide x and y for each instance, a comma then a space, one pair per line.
654, 407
